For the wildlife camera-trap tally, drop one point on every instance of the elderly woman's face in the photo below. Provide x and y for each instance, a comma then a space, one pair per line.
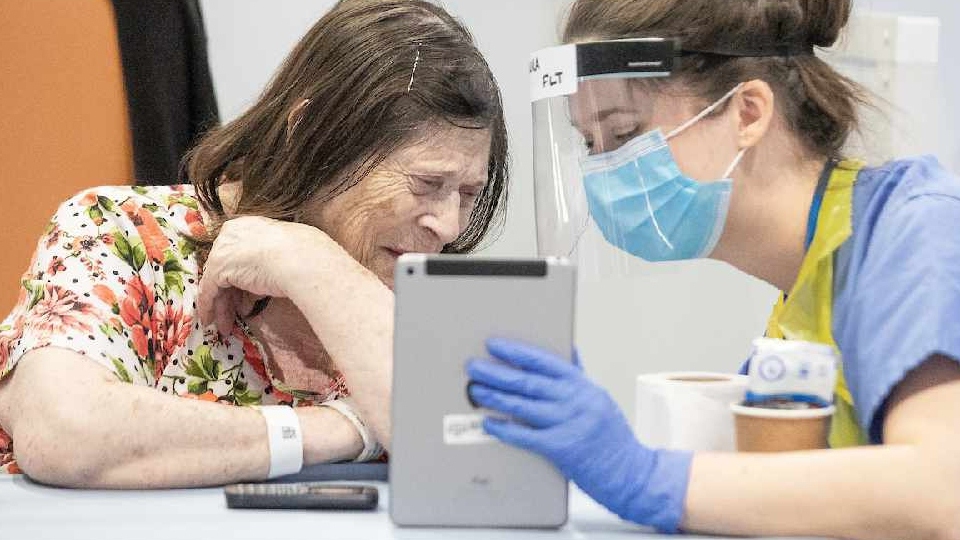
418, 200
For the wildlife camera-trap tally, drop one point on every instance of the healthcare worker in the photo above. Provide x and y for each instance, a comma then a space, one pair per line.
685, 129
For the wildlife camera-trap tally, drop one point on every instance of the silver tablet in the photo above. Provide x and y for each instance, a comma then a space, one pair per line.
444, 470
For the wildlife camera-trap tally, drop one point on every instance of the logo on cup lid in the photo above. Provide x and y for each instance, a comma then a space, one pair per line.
772, 368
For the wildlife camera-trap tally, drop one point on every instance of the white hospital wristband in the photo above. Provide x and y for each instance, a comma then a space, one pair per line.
285, 438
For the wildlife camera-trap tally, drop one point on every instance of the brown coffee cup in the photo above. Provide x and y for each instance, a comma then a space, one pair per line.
781, 430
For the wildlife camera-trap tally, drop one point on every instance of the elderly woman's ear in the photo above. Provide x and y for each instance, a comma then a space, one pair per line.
295, 116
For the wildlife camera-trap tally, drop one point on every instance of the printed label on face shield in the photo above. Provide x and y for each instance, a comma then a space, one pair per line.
553, 72
460, 429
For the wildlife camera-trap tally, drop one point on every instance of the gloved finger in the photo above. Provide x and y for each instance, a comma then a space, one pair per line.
538, 414
515, 434
530, 358
514, 381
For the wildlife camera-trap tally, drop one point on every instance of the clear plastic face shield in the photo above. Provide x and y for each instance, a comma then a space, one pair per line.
609, 194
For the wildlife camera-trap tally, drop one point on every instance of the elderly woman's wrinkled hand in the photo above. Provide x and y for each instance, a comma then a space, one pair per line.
260, 256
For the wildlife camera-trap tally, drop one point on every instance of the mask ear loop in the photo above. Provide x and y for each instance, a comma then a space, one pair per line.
736, 162
703, 114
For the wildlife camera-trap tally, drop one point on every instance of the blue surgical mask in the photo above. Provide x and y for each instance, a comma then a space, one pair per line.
645, 206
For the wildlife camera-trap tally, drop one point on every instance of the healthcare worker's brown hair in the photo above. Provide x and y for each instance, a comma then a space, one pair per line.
818, 104
379, 75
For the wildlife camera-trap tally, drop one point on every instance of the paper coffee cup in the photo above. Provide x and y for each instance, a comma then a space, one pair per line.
781, 430
688, 410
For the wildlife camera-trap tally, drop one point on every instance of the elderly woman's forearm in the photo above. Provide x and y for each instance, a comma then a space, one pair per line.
877, 492
351, 310
122, 436
102, 433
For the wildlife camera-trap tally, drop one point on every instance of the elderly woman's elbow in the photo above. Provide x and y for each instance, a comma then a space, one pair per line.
58, 451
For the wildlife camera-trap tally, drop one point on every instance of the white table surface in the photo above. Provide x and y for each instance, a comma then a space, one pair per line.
29, 511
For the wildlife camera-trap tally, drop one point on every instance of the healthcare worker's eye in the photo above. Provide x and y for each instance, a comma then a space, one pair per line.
625, 136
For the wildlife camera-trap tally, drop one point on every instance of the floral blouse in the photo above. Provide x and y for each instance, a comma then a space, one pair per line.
115, 278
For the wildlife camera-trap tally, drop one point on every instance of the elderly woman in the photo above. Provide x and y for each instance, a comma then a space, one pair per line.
265, 283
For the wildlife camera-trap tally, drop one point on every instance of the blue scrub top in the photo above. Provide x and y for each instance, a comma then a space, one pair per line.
897, 280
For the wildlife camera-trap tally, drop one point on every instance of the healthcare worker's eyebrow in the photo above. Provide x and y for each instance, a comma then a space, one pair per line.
606, 113
603, 115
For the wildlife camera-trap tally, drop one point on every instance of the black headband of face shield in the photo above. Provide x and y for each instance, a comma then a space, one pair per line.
656, 57
774, 51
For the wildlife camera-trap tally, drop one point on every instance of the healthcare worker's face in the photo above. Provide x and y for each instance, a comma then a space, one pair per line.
417, 201
609, 113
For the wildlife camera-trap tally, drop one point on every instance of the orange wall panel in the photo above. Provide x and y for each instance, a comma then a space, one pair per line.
63, 118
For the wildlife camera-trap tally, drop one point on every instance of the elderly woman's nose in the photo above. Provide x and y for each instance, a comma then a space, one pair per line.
444, 218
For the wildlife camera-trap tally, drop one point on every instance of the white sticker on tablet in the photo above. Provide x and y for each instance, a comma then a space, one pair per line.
461, 429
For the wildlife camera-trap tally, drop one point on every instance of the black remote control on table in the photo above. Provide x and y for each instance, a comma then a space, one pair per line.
302, 495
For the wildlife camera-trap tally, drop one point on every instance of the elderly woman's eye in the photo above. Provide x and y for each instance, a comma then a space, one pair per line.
469, 198
427, 185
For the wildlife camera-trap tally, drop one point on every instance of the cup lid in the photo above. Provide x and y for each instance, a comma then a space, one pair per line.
693, 378
791, 414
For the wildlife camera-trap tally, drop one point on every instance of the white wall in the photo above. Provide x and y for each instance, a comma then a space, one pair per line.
946, 125
247, 41
690, 316
900, 56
